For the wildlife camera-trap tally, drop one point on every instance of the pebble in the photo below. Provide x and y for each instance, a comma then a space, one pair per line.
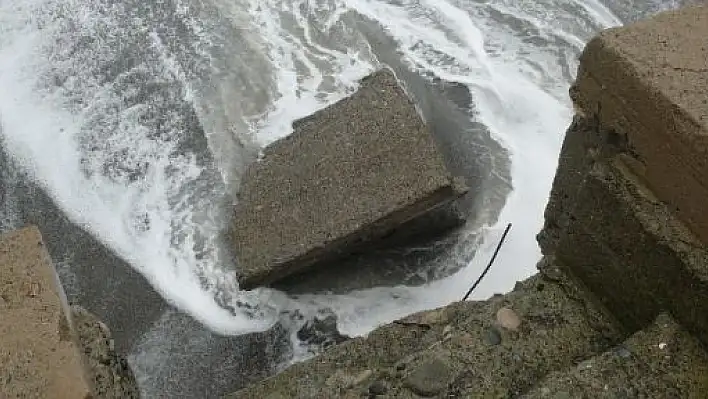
431, 377
508, 319
492, 336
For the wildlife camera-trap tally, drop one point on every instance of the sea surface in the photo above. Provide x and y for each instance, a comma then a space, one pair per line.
125, 127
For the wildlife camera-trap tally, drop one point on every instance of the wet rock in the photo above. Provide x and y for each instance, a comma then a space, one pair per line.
431, 377
492, 336
348, 176
508, 319
111, 374
322, 332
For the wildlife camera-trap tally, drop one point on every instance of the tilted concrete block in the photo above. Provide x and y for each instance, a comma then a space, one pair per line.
347, 176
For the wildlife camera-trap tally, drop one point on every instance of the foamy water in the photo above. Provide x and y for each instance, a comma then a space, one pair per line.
127, 165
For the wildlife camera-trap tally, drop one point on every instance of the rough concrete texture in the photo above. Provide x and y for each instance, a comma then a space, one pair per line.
626, 213
38, 354
625, 256
111, 376
662, 360
348, 175
462, 350
646, 83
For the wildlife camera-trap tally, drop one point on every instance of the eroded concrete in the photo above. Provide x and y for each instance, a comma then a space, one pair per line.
449, 352
349, 174
627, 208
646, 83
625, 255
662, 360
38, 352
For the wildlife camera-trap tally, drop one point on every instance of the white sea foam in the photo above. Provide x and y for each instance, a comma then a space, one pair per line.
518, 88
42, 134
527, 115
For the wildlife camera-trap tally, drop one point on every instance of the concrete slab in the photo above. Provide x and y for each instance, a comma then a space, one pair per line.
349, 175
38, 354
647, 83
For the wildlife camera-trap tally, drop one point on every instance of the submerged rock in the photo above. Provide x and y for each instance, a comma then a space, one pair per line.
321, 332
349, 175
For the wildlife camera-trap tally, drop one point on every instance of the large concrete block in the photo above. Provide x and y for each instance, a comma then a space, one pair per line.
349, 175
630, 249
38, 354
648, 84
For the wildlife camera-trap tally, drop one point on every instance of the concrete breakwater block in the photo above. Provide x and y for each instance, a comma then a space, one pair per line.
349, 175
39, 357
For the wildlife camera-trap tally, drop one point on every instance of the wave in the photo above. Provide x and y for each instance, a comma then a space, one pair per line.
138, 118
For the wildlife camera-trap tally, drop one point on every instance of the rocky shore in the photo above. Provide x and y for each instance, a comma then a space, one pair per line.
619, 305
618, 308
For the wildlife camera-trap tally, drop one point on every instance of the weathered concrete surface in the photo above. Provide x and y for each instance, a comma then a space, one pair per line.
647, 85
627, 208
349, 174
662, 360
462, 350
110, 374
624, 248
38, 354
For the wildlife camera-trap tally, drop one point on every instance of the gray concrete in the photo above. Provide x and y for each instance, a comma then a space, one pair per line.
661, 360
647, 84
560, 325
350, 174
627, 209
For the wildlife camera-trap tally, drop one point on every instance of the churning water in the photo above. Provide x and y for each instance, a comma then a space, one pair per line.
136, 119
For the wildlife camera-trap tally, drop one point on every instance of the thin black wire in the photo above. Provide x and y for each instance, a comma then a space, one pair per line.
491, 261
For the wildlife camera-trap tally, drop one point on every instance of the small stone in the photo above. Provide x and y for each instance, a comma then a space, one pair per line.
492, 336
508, 319
378, 388
622, 351
431, 377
